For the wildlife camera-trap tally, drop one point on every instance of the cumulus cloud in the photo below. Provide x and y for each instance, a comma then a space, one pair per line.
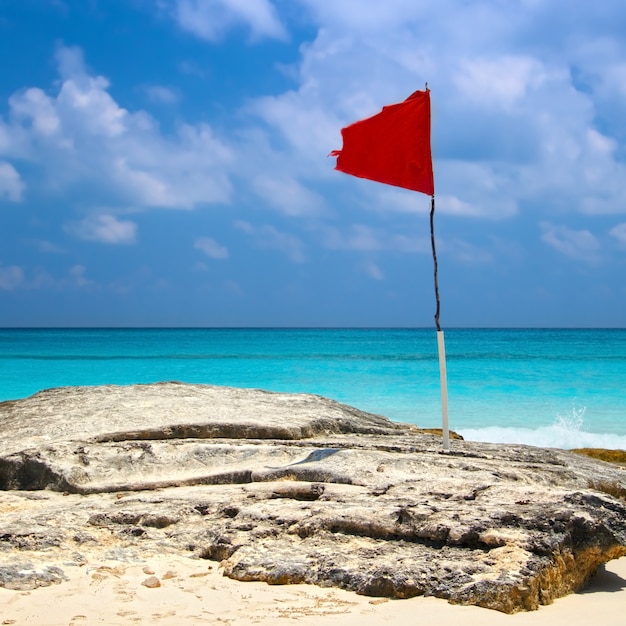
80, 135
11, 277
511, 126
310, 128
576, 244
515, 127
105, 229
500, 81
212, 19
288, 196
37, 108
211, 248
11, 184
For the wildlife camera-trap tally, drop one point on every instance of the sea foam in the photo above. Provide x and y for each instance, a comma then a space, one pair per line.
566, 432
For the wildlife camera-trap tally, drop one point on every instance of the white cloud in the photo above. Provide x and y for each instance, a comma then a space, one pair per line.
364, 238
373, 271
387, 199
74, 278
11, 184
514, 126
162, 94
599, 143
614, 76
105, 229
601, 176
500, 81
577, 244
510, 126
212, 19
456, 206
401, 201
85, 101
310, 129
34, 105
11, 277
211, 248
77, 277
288, 196
363, 16
619, 232
244, 226
360, 237
270, 238
81, 136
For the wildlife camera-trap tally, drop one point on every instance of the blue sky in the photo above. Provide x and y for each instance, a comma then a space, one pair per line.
164, 163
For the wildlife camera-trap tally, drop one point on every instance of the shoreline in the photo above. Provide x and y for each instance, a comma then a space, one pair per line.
392, 372
193, 591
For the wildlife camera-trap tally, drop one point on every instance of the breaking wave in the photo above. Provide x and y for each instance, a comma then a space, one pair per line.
566, 432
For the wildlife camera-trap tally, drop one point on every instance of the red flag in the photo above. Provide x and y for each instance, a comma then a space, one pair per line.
391, 147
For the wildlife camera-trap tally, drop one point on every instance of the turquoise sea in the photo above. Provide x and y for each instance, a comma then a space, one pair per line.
561, 388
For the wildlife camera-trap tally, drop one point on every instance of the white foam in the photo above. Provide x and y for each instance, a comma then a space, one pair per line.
566, 432
557, 435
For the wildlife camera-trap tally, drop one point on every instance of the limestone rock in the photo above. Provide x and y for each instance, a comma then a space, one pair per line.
23, 576
290, 488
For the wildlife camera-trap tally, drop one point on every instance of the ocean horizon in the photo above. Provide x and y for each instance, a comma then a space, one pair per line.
554, 387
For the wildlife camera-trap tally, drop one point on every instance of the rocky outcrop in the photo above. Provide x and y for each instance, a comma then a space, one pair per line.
291, 488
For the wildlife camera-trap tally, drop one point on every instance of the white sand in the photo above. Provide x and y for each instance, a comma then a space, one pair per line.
194, 592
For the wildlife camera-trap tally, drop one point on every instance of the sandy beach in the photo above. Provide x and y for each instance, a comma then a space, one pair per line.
189, 591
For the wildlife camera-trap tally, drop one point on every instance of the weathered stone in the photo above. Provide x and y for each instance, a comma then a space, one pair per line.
297, 488
25, 576
175, 411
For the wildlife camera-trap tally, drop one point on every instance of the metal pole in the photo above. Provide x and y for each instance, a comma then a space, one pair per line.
444, 392
440, 339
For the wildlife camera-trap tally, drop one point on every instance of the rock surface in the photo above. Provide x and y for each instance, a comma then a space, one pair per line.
289, 488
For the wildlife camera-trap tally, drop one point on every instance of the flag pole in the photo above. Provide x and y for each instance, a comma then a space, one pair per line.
393, 147
440, 339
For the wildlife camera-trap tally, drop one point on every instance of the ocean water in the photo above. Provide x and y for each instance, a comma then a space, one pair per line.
559, 388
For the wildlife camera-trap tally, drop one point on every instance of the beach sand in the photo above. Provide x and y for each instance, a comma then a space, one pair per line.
195, 592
